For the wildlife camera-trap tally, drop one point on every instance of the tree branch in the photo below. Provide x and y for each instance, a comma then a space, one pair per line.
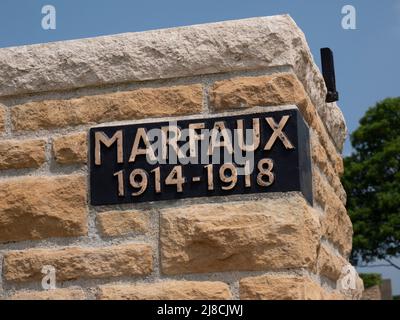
375, 266
392, 264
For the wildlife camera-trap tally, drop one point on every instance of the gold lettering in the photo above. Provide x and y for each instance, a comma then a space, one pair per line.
231, 178
219, 126
210, 176
100, 137
193, 137
121, 188
141, 184
142, 135
173, 142
157, 179
265, 172
256, 135
175, 177
278, 133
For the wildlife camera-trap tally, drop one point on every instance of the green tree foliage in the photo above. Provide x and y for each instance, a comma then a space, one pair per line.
371, 279
372, 183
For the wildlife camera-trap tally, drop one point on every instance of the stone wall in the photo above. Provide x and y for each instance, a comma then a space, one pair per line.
266, 246
372, 293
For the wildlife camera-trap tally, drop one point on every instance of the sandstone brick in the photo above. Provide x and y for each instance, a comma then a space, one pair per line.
331, 176
318, 153
70, 149
116, 223
320, 158
334, 181
56, 294
330, 264
335, 222
250, 235
39, 207
339, 166
337, 186
73, 263
337, 228
333, 155
167, 290
324, 194
18, 154
127, 105
320, 188
280, 287
335, 124
341, 193
272, 90
2, 119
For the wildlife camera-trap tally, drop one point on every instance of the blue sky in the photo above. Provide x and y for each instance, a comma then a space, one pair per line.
366, 59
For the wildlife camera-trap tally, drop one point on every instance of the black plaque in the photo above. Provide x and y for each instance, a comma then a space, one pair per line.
110, 181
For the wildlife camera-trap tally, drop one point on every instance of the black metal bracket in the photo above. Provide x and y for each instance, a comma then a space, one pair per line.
328, 72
